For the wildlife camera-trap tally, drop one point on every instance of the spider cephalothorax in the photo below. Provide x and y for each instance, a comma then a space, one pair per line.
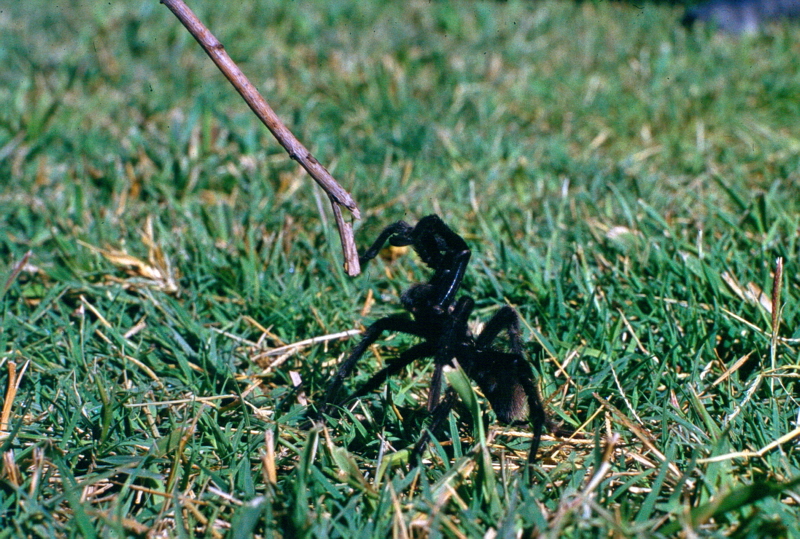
439, 320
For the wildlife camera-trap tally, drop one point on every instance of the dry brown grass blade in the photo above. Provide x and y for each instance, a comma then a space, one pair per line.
755, 454
16, 270
732, 369
638, 432
307, 342
14, 380
571, 504
268, 459
776, 317
283, 353
399, 528
750, 293
11, 392
157, 272
10, 469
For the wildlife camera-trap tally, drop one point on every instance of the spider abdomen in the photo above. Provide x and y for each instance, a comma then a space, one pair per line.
506, 395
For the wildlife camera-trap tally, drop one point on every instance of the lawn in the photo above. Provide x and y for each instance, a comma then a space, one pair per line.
631, 188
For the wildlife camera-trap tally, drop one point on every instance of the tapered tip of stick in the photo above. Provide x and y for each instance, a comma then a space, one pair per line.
352, 268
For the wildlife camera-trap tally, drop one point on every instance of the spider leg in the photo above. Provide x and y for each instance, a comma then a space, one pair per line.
438, 246
507, 382
447, 279
438, 415
536, 415
423, 349
448, 346
507, 379
433, 240
396, 231
435, 392
390, 323
446, 253
520, 385
506, 318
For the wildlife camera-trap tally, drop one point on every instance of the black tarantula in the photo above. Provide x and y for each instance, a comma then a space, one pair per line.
440, 321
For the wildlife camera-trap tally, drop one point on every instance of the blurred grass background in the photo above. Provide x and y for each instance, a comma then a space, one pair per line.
626, 184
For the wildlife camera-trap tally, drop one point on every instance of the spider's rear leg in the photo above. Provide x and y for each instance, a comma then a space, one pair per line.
390, 323
500, 374
507, 379
506, 318
536, 415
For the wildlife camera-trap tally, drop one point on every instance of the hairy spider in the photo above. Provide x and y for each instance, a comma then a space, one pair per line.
440, 321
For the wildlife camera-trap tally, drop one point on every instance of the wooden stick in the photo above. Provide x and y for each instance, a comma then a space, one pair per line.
338, 196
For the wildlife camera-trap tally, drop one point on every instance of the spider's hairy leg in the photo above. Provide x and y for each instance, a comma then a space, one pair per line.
418, 351
536, 415
430, 238
398, 232
499, 375
390, 323
506, 318
446, 253
508, 383
434, 240
447, 279
448, 344
507, 379
438, 415
440, 249
435, 392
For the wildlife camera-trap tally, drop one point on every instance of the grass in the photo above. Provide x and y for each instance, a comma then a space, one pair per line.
625, 184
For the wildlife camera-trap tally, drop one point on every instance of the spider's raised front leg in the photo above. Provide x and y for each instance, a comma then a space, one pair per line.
440, 249
396, 233
446, 253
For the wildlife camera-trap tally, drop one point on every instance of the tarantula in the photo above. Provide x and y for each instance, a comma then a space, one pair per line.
440, 321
